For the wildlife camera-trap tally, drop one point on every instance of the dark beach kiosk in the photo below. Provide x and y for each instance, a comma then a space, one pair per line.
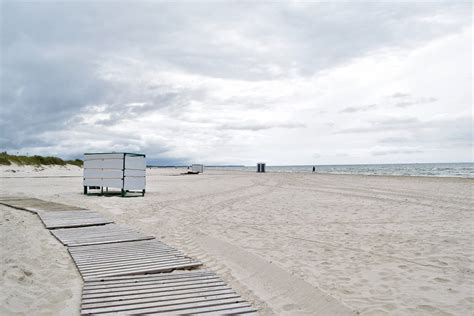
124, 171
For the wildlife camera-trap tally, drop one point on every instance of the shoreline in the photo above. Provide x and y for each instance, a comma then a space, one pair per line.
348, 173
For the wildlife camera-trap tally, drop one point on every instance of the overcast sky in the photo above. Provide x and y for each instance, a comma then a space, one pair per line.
236, 83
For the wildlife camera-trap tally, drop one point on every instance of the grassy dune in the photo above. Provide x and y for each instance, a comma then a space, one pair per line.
7, 159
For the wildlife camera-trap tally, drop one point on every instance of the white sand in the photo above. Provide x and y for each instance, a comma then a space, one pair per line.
378, 245
37, 274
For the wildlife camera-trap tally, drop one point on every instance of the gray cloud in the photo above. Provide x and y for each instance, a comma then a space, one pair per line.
400, 95
70, 67
404, 104
393, 140
395, 152
375, 126
416, 101
461, 125
414, 133
362, 108
256, 126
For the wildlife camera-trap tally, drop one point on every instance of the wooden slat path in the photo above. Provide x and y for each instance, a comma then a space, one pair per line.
95, 235
62, 219
122, 268
177, 293
126, 258
35, 205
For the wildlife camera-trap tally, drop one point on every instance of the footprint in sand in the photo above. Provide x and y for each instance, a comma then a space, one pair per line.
441, 280
429, 309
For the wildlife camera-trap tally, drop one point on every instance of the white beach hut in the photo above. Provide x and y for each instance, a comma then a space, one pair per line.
124, 171
197, 168
261, 167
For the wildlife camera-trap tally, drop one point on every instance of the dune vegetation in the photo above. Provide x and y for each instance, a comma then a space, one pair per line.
7, 159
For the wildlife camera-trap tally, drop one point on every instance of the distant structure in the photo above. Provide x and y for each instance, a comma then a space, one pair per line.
124, 171
197, 168
260, 167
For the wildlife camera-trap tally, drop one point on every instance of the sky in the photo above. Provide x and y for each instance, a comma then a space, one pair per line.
239, 82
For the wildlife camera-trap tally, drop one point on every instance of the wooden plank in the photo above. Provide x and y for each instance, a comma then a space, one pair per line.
244, 310
123, 248
123, 258
98, 254
34, 205
165, 305
149, 290
70, 219
134, 279
164, 294
149, 269
241, 308
174, 275
144, 244
124, 255
163, 298
152, 292
94, 235
154, 283
130, 261
138, 269
180, 307
131, 264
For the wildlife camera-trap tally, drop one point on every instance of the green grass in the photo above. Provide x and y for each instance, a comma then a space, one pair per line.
6, 159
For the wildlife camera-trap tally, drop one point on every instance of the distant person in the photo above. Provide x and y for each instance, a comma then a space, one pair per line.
314, 169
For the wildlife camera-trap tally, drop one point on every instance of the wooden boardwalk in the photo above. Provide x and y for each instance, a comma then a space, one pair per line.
34, 205
124, 271
94, 235
177, 293
69, 219
133, 257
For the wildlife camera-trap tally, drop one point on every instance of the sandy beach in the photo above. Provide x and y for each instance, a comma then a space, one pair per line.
295, 244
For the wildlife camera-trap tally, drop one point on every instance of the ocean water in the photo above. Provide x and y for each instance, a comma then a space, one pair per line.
462, 170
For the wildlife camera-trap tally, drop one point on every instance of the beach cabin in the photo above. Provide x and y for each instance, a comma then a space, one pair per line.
123, 171
197, 168
261, 167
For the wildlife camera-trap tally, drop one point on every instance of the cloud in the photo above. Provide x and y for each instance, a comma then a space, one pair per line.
397, 151
400, 95
404, 104
210, 81
384, 124
257, 126
354, 109
393, 139
415, 101
453, 124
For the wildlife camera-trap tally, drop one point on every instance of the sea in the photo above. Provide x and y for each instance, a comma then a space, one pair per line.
461, 170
